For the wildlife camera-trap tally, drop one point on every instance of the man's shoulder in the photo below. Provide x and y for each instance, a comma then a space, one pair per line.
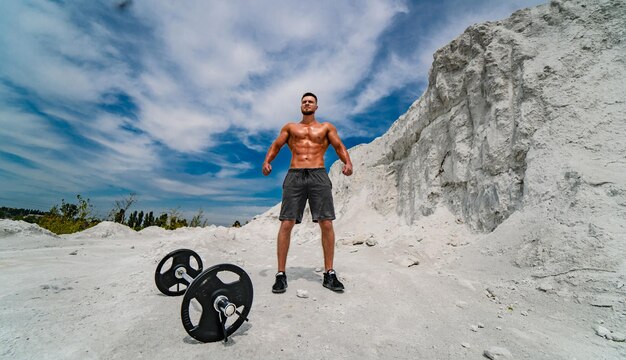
290, 125
328, 125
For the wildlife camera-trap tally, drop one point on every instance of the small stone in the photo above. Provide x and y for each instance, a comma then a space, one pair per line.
302, 293
132, 247
358, 241
408, 261
354, 250
474, 328
616, 336
601, 331
371, 242
461, 304
601, 302
318, 269
491, 294
496, 352
524, 313
75, 252
498, 327
481, 325
465, 345
545, 287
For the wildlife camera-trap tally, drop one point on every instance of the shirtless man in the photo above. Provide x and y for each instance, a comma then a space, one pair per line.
307, 179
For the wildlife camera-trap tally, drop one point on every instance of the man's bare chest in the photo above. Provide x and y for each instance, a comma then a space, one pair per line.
309, 134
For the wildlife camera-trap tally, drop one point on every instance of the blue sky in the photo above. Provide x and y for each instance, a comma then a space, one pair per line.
178, 101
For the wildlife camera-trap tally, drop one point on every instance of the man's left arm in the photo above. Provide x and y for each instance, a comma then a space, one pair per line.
340, 149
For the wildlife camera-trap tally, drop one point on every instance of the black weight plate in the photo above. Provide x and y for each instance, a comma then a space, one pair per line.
205, 289
166, 279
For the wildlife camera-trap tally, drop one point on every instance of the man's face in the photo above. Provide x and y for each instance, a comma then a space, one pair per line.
308, 105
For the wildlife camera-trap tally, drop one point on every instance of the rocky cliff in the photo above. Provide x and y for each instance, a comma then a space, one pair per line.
526, 117
512, 110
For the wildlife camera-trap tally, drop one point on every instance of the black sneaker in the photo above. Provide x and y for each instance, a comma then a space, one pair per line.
331, 282
280, 286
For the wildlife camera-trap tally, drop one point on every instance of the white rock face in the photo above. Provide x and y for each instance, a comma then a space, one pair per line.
512, 110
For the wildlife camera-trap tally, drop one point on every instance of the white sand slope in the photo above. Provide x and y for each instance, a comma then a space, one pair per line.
95, 298
495, 207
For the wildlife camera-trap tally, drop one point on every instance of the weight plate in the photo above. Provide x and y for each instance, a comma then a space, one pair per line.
166, 279
225, 279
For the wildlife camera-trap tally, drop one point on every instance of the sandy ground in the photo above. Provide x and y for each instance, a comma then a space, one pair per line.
545, 280
92, 296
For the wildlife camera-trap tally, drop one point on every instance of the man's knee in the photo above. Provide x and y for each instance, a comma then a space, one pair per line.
287, 225
326, 225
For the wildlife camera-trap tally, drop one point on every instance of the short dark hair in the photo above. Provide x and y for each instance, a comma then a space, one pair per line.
309, 94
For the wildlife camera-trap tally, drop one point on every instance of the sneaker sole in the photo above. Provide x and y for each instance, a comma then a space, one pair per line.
280, 291
333, 288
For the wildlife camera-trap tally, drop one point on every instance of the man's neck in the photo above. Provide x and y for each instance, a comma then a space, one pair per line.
308, 119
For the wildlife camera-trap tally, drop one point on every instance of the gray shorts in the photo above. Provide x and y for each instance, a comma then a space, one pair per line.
301, 185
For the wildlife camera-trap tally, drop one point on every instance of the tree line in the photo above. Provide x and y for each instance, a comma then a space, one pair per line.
67, 218
13, 213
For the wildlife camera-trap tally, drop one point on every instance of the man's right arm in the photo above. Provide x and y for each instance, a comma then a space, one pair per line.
282, 138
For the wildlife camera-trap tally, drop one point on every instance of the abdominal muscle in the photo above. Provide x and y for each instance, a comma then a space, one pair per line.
307, 156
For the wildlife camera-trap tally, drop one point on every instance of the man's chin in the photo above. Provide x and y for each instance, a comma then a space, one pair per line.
310, 112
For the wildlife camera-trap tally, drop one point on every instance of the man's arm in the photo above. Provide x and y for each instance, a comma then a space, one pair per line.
340, 149
282, 138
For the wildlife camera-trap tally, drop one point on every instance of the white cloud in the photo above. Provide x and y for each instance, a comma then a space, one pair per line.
27, 130
45, 52
208, 65
182, 128
247, 65
210, 186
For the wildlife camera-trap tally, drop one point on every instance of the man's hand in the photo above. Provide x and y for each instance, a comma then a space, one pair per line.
347, 169
267, 168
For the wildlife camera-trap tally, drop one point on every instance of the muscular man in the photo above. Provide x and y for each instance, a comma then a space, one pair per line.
307, 180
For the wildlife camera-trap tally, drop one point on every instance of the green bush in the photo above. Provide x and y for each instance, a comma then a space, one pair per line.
69, 218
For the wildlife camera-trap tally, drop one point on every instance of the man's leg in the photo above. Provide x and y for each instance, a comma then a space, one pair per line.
282, 248
284, 238
328, 243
